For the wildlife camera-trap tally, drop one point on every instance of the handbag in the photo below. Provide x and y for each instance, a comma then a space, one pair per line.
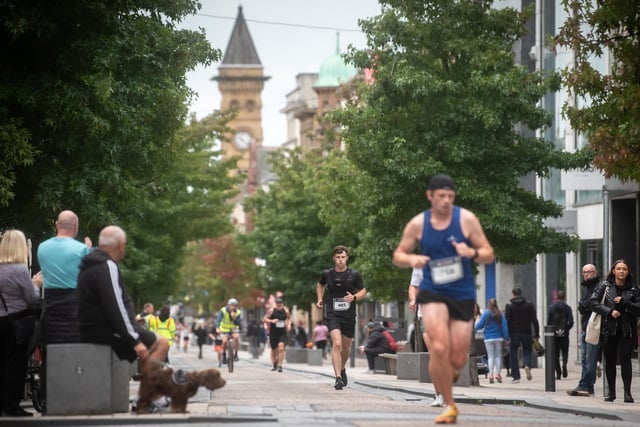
592, 334
23, 323
539, 349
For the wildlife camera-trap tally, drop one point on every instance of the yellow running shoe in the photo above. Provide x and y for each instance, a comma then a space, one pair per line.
449, 416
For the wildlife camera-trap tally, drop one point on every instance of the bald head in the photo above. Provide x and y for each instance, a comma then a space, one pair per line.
67, 224
589, 271
113, 241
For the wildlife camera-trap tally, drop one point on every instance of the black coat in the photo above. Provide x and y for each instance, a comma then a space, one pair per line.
377, 342
587, 287
629, 307
521, 317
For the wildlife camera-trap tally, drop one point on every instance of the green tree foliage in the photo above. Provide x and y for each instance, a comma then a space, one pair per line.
608, 113
93, 105
185, 203
215, 270
288, 233
91, 95
449, 98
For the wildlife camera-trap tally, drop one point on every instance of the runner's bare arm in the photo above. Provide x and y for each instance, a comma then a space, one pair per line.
481, 250
320, 294
404, 255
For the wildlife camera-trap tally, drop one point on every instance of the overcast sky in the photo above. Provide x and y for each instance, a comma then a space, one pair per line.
288, 39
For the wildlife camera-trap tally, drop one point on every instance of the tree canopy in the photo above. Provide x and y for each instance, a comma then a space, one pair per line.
607, 110
93, 105
287, 231
92, 95
447, 97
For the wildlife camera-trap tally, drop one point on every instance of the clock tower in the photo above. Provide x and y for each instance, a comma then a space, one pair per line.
240, 81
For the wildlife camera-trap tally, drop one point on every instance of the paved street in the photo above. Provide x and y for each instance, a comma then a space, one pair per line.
304, 394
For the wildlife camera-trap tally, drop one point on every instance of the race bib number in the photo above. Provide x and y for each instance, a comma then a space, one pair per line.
280, 324
339, 304
446, 270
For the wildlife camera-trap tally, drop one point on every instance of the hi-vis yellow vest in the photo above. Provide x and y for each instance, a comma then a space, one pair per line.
165, 329
226, 324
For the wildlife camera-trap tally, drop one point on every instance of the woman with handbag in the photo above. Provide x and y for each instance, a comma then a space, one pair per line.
617, 300
18, 292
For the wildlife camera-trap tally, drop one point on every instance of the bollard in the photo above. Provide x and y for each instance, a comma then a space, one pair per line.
549, 358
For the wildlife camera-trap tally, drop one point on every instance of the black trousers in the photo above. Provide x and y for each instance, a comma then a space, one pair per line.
13, 367
617, 348
561, 347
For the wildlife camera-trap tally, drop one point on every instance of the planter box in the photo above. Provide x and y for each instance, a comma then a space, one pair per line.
314, 357
85, 379
409, 365
468, 375
296, 355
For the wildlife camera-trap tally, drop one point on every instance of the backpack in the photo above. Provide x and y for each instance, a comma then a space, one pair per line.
560, 322
392, 343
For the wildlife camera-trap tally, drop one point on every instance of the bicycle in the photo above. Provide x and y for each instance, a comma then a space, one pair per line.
230, 355
33, 386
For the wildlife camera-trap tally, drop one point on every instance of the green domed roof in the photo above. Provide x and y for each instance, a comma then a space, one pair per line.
333, 71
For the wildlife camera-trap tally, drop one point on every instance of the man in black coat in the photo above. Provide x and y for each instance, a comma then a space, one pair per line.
590, 352
105, 310
376, 344
521, 318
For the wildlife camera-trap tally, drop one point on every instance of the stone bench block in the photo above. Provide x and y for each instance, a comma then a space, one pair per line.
296, 355
85, 379
390, 363
409, 364
314, 357
468, 375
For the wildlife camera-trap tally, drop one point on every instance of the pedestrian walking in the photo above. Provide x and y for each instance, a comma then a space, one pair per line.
521, 320
560, 317
320, 334
496, 333
619, 309
589, 352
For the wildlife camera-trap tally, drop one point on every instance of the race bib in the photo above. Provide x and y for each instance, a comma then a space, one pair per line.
280, 324
339, 304
446, 270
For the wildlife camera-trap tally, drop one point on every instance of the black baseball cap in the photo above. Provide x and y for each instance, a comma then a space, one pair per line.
441, 181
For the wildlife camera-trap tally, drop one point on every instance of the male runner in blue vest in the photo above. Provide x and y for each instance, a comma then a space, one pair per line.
450, 239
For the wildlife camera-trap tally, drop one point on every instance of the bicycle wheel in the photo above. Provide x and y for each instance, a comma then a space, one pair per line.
36, 396
230, 355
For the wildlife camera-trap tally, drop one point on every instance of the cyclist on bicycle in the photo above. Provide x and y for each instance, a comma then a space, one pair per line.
228, 322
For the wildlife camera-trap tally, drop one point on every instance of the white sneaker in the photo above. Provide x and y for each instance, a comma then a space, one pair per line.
369, 371
438, 401
162, 402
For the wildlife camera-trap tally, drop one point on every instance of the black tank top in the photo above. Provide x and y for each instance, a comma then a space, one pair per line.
279, 327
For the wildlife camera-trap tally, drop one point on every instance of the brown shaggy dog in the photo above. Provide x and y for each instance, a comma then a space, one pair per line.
156, 379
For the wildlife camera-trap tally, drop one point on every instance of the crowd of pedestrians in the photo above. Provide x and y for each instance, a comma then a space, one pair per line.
85, 300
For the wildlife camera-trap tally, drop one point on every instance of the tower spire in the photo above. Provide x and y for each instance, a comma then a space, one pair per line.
240, 50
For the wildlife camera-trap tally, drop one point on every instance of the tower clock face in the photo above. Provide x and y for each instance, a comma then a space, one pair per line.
242, 140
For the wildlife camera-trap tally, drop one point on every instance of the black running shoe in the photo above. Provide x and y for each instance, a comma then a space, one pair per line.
339, 384
274, 368
343, 375
279, 368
